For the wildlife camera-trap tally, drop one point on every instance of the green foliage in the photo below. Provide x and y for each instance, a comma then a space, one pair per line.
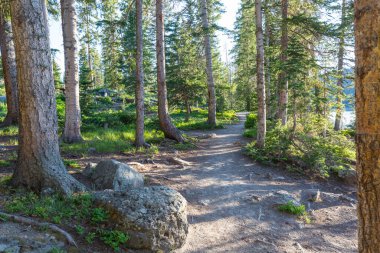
79, 212
198, 119
292, 208
250, 133
72, 164
5, 163
306, 148
113, 238
251, 121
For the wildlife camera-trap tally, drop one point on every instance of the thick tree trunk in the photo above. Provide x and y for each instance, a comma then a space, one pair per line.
209, 68
140, 141
283, 79
8, 58
71, 132
166, 124
339, 109
367, 51
39, 162
261, 125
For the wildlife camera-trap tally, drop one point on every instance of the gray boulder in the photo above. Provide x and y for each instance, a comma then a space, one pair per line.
111, 174
155, 217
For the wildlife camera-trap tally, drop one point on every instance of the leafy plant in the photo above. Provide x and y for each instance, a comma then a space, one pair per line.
293, 208
113, 238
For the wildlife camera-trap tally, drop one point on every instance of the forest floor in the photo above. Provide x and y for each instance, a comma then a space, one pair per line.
232, 201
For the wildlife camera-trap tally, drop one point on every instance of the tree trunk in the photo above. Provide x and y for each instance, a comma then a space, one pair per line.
188, 110
140, 141
367, 51
166, 124
209, 68
268, 33
261, 125
71, 132
8, 58
283, 79
39, 163
339, 109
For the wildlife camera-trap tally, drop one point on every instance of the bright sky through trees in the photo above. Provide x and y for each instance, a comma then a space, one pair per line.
225, 41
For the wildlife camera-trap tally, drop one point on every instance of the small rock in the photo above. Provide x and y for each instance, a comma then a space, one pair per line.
312, 195
89, 169
279, 178
349, 176
284, 197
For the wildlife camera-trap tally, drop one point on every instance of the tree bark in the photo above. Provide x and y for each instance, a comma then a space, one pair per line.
209, 67
71, 132
283, 79
261, 125
140, 141
367, 51
39, 162
268, 34
8, 58
166, 124
339, 109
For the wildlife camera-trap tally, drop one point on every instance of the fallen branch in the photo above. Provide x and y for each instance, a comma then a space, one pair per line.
31, 222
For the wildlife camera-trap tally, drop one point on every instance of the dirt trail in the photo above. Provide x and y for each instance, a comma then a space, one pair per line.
232, 208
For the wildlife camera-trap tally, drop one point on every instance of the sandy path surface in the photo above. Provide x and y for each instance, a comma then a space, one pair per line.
232, 203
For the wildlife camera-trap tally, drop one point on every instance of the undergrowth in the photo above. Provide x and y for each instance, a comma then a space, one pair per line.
311, 147
77, 212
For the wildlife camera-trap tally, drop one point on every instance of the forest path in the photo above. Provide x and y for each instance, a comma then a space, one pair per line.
232, 202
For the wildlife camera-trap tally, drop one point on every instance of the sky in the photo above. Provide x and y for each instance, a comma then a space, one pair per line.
226, 43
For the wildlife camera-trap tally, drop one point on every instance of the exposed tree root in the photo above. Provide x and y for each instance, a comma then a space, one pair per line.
31, 222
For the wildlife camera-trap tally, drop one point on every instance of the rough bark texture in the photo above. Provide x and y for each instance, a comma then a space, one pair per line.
283, 80
39, 163
140, 141
71, 132
268, 34
166, 124
8, 58
261, 126
209, 68
339, 109
367, 50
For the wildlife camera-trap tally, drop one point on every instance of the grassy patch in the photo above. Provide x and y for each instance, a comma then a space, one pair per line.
110, 140
198, 119
5, 163
78, 212
250, 133
9, 131
292, 208
72, 164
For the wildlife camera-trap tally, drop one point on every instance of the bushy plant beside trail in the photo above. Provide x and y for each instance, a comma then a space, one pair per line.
311, 146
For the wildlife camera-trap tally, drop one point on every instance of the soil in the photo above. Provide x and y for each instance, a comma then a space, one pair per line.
232, 200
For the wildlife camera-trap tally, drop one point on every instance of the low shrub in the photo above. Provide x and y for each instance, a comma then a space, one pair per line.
307, 147
251, 121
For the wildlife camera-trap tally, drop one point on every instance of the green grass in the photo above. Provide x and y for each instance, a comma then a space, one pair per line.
250, 133
71, 164
102, 140
9, 131
5, 163
198, 119
292, 208
79, 212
